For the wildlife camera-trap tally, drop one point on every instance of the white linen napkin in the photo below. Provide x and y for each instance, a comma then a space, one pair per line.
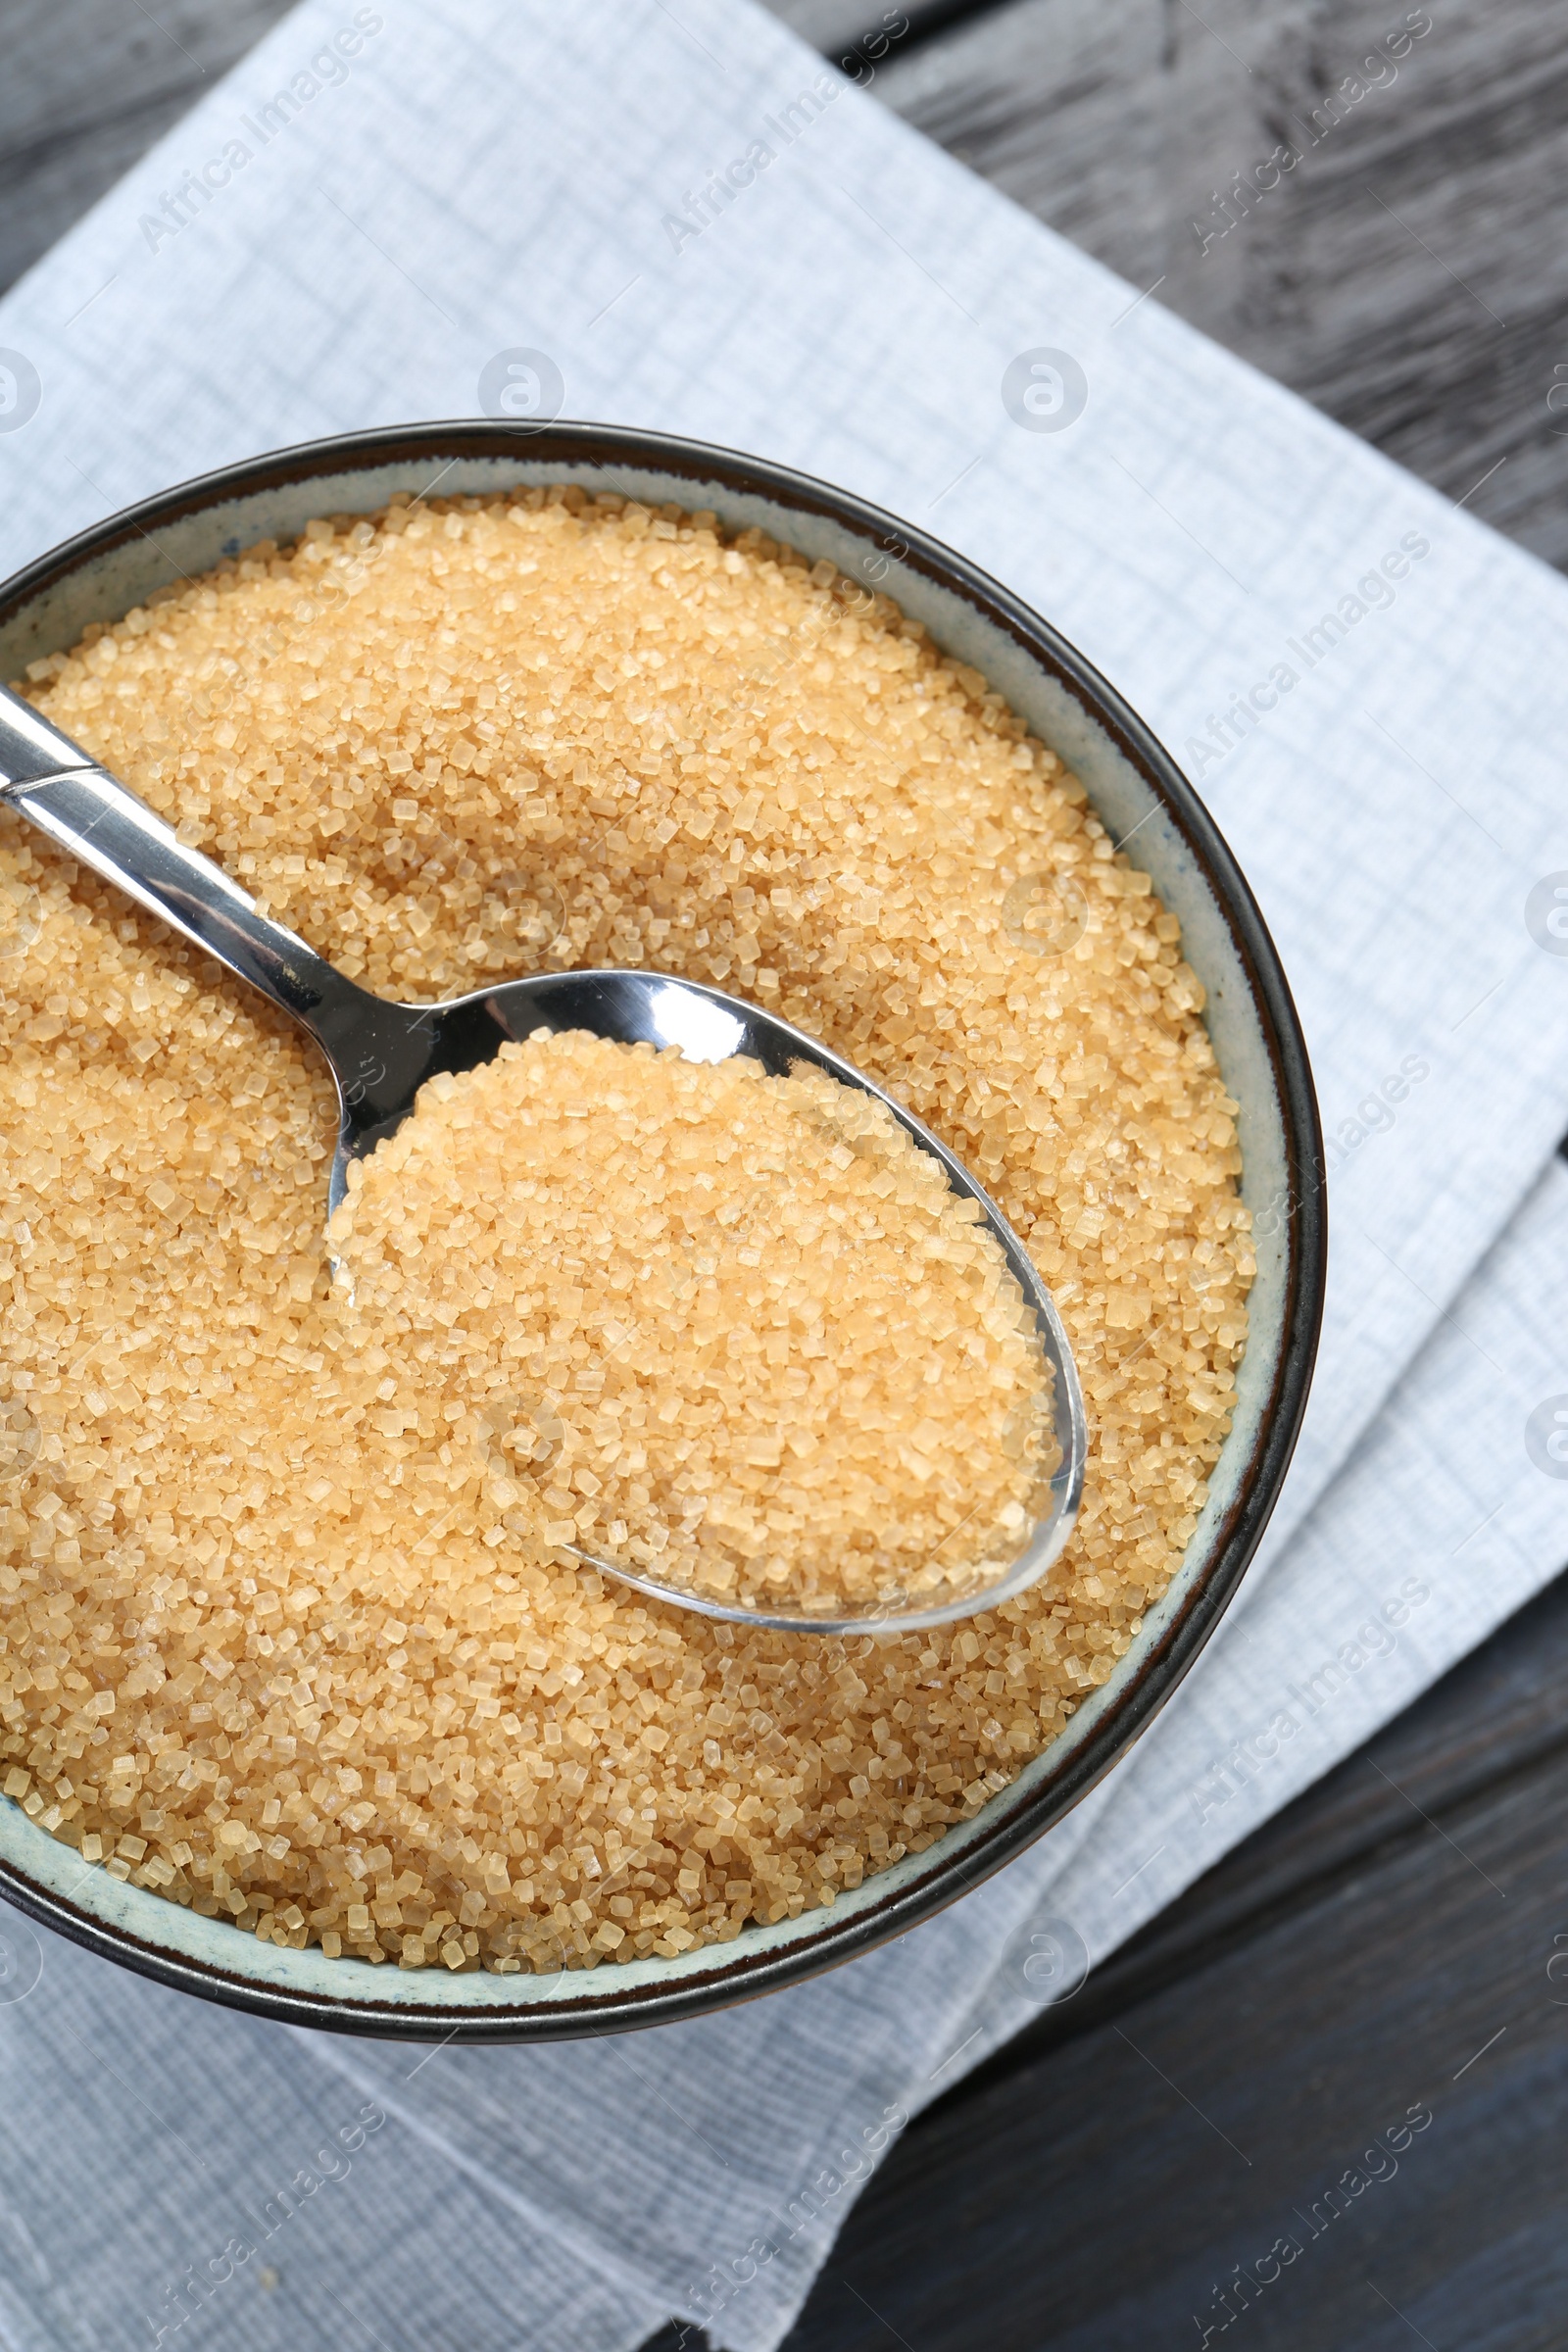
349, 231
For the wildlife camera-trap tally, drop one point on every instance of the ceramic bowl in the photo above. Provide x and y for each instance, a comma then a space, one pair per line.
1134, 785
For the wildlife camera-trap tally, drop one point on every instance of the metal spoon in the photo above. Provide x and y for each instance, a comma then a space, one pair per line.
381, 1053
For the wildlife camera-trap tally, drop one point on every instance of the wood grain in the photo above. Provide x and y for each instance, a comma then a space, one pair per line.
1087, 2189
1408, 275
88, 87
870, 28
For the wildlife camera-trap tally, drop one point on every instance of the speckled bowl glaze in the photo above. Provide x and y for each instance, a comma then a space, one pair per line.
1133, 784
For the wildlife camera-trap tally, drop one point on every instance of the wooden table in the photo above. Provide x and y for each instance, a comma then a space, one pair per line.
1398, 1938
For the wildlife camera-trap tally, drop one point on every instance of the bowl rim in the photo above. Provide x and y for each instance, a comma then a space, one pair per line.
735, 1974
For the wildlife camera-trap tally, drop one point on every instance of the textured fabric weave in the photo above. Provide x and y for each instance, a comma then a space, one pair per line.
482, 176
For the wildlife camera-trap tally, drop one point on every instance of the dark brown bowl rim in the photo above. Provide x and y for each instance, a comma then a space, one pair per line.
1010, 1825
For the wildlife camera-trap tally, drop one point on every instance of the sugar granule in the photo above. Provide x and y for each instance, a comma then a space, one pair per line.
492, 737
733, 1331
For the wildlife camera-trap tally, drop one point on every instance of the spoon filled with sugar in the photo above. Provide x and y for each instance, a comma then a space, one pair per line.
713, 1181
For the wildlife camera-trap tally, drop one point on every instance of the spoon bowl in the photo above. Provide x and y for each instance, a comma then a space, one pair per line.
381, 1053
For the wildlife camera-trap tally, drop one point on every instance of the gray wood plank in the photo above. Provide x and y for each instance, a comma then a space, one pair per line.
88, 85
1385, 1943
827, 24
1496, 1719
1065, 2198
1409, 274
869, 29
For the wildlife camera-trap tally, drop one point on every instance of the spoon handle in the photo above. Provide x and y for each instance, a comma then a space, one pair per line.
54, 783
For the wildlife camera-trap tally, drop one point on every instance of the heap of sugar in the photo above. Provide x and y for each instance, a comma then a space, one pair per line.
504, 736
734, 1332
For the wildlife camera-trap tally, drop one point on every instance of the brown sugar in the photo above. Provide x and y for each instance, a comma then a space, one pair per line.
736, 1332
257, 1647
